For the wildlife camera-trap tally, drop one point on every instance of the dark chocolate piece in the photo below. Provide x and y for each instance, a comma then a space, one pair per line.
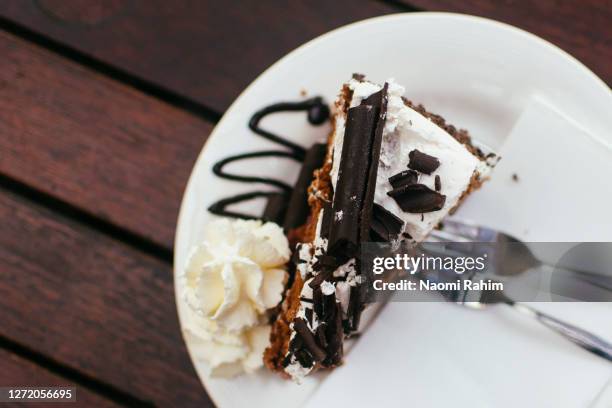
286, 361
320, 335
404, 178
417, 198
354, 194
391, 223
352, 180
296, 343
297, 205
379, 100
276, 208
295, 255
325, 262
378, 232
325, 274
308, 315
355, 307
304, 358
438, 183
329, 305
328, 213
422, 162
307, 336
335, 335
317, 300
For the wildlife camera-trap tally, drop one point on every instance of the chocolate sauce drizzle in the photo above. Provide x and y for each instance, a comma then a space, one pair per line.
317, 114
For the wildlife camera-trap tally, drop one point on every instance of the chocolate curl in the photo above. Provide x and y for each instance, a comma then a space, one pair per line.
308, 338
417, 198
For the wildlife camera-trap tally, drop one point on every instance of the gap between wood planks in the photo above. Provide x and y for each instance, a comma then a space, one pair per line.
98, 387
68, 210
110, 71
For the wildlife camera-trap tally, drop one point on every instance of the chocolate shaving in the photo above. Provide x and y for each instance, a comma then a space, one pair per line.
352, 180
304, 358
417, 198
404, 178
325, 274
422, 162
378, 232
329, 305
317, 300
325, 262
438, 183
327, 219
308, 315
320, 335
286, 361
334, 335
310, 343
385, 224
296, 343
355, 307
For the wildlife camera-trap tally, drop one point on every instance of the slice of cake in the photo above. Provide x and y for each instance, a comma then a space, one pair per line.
392, 172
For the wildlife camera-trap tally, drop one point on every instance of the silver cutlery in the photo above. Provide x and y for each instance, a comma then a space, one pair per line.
509, 263
460, 232
481, 299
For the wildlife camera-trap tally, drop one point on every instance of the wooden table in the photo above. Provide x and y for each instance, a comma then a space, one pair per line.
104, 106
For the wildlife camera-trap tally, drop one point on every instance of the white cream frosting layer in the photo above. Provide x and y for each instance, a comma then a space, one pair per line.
406, 130
231, 279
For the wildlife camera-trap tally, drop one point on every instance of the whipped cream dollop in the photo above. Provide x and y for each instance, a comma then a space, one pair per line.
231, 279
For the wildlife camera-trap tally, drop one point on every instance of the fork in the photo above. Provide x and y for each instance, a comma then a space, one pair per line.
479, 300
455, 231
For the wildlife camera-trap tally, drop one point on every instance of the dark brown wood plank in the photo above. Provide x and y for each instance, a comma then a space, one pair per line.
207, 50
581, 28
93, 304
97, 144
18, 372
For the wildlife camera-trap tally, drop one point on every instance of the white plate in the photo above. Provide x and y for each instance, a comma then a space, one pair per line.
477, 73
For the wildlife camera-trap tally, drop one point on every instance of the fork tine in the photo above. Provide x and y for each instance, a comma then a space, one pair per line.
470, 230
448, 236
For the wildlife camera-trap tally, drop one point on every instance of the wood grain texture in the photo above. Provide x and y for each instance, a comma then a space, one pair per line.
97, 144
93, 304
16, 371
207, 50
580, 27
